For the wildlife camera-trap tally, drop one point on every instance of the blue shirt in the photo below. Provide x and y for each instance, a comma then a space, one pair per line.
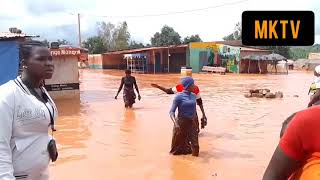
186, 104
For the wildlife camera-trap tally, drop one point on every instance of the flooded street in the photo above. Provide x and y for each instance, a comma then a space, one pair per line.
99, 139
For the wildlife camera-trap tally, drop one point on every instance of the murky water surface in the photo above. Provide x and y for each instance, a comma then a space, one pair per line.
99, 139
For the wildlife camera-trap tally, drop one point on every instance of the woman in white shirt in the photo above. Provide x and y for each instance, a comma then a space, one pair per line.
27, 111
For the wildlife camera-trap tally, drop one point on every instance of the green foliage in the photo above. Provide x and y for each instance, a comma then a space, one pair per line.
236, 34
95, 45
303, 52
136, 45
167, 36
193, 38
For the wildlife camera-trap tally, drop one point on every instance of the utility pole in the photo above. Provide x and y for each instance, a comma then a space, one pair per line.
79, 32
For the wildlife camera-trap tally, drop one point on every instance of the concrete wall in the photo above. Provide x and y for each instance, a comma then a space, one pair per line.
95, 61
314, 56
113, 61
65, 80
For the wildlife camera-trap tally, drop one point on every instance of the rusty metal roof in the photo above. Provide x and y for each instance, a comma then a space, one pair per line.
9, 35
254, 49
129, 51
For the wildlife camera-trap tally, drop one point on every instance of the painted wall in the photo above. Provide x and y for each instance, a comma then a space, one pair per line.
9, 61
230, 57
201, 54
65, 80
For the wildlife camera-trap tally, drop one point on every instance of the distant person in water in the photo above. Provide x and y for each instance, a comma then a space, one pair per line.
315, 88
129, 95
185, 102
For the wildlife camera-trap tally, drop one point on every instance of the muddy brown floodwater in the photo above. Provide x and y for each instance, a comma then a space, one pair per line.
99, 139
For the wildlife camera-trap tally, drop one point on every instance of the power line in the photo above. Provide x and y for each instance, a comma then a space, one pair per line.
170, 13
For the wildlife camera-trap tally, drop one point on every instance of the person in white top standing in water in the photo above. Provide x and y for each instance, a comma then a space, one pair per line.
315, 88
27, 117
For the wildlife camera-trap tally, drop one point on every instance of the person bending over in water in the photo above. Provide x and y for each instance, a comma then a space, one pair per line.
196, 91
129, 95
186, 104
297, 155
315, 88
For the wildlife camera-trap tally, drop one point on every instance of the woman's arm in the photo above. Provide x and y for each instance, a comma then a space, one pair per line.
314, 98
173, 111
120, 88
286, 123
168, 91
200, 104
136, 86
6, 121
281, 166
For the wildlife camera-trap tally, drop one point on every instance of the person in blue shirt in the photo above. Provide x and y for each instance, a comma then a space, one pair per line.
185, 102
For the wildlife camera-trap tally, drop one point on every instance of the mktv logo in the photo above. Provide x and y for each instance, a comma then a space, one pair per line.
278, 28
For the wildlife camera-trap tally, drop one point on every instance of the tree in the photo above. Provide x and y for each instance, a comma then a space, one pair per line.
106, 33
46, 42
236, 35
121, 36
282, 50
135, 45
193, 38
166, 37
63, 42
95, 45
114, 38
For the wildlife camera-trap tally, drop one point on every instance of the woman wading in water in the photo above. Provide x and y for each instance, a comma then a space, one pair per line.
183, 123
129, 95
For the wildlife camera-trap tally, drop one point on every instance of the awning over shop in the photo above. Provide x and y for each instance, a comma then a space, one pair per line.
133, 56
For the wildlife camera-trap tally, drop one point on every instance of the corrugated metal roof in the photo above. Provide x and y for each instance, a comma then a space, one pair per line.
9, 35
253, 49
129, 51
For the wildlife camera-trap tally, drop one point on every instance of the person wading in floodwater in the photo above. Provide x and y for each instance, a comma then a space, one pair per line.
129, 95
315, 88
178, 89
183, 123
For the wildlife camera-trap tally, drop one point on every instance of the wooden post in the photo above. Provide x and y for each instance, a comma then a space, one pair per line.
154, 62
259, 67
249, 67
168, 61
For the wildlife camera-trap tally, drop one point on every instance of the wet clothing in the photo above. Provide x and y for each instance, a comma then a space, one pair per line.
129, 95
24, 122
186, 104
301, 138
185, 138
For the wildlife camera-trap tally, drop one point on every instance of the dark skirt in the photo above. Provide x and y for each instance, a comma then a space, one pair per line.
129, 97
185, 138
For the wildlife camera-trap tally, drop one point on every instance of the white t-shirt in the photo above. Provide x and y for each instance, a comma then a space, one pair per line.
24, 123
317, 82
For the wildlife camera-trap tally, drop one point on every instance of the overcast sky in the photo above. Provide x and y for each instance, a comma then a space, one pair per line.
57, 19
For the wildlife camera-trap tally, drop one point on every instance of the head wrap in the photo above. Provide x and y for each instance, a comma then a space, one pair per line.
187, 82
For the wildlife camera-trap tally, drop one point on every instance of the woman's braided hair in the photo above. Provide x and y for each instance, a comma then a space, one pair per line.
25, 50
